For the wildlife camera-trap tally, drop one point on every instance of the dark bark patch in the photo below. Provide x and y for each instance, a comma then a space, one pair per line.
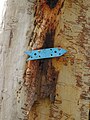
48, 72
51, 3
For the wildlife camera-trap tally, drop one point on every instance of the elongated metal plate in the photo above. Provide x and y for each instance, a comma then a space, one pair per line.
45, 53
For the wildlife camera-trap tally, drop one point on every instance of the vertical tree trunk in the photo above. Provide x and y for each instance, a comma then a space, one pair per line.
34, 24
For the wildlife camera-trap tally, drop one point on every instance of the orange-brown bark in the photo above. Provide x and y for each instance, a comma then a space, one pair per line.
40, 74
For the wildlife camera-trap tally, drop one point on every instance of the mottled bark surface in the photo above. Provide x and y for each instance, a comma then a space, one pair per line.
72, 32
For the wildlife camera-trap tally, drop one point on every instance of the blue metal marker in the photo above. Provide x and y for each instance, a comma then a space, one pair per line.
45, 53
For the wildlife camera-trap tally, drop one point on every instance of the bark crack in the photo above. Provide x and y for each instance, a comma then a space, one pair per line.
10, 40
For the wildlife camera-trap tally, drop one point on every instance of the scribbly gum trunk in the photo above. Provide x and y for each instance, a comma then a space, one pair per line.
47, 89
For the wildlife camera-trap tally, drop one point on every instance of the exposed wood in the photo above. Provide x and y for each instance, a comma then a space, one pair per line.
40, 79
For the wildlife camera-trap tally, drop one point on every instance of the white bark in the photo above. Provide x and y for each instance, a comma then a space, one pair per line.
13, 42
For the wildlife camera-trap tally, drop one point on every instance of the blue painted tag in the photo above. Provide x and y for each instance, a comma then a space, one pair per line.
45, 53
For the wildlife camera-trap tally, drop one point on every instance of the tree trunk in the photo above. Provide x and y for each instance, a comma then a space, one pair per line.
51, 89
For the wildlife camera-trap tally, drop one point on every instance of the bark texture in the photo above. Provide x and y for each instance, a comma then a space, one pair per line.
25, 27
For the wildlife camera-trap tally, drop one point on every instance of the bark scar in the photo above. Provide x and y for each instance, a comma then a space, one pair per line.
40, 75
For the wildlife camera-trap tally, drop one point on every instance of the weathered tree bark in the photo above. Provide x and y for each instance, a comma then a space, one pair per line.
53, 89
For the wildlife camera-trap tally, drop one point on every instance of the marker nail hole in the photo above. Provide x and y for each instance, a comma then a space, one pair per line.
55, 51
51, 54
35, 54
